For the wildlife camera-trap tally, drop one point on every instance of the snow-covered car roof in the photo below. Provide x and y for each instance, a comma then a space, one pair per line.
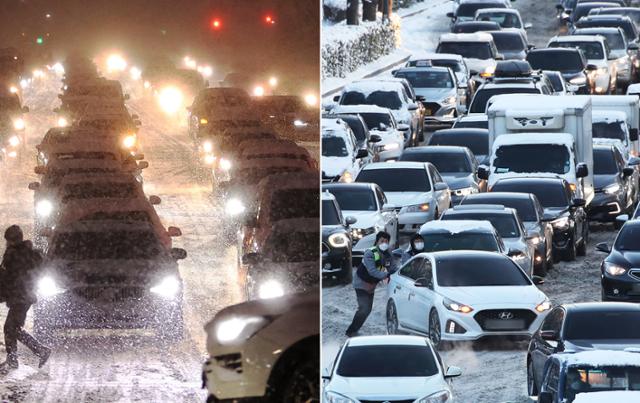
362, 109
578, 38
368, 86
601, 358
333, 124
386, 340
435, 56
533, 138
608, 396
497, 10
474, 37
608, 116
457, 226
537, 102
395, 165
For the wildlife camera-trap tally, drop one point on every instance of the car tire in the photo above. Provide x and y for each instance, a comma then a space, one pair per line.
532, 388
346, 274
570, 253
392, 318
302, 383
435, 330
582, 249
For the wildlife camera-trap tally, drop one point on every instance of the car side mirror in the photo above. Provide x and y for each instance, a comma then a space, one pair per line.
545, 397
452, 372
528, 25
440, 186
403, 127
25, 109
499, 56
627, 171
154, 200
582, 170
412, 107
143, 164
579, 203
549, 335
537, 280
40, 170
603, 247
559, 7
393, 72
633, 46
375, 138
388, 207
451, 15
251, 259
423, 282
178, 253
174, 231
34, 186
483, 173
350, 220
420, 98
633, 134
531, 46
336, 98
591, 67
362, 153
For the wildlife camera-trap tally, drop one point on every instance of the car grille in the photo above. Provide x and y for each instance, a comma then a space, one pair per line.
505, 319
109, 294
635, 273
431, 108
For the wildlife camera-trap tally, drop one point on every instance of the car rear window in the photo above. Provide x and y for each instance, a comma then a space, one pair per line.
381, 361
397, 180
602, 325
469, 271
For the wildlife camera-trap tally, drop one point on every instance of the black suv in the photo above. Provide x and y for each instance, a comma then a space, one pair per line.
571, 63
620, 277
336, 240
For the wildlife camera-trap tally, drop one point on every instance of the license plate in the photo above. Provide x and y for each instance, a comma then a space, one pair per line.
499, 324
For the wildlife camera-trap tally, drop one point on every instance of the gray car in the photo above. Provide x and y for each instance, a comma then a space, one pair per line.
457, 165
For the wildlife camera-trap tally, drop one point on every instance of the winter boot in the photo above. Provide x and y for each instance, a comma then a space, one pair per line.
44, 354
10, 364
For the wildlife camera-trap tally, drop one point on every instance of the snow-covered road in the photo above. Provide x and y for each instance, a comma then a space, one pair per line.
493, 371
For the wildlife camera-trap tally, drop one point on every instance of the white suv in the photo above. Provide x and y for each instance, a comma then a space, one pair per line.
341, 157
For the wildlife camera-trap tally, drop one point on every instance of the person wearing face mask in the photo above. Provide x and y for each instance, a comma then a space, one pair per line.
416, 246
377, 265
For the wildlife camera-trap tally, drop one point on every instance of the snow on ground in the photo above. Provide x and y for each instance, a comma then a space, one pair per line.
132, 368
493, 370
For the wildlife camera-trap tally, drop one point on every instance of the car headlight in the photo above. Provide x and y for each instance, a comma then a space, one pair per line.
623, 60
207, 146
203, 121
438, 397
14, 141
543, 306
167, 288
338, 240
561, 223
488, 72
580, 80
238, 329
62, 122
614, 269
270, 289
170, 100
464, 191
416, 208
359, 233
18, 124
391, 146
611, 189
234, 207
346, 177
129, 141
209, 159
449, 100
225, 164
299, 123
44, 208
47, 287
456, 306
535, 239
333, 397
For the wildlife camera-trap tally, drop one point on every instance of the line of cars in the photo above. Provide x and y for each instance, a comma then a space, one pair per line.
109, 261
547, 163
12, 120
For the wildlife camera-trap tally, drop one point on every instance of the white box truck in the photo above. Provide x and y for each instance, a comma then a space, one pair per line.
517, 115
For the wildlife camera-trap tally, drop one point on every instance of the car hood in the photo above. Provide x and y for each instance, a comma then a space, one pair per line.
601, 181
500, 296
366, 219
458, 180
515, 244
551, 213
435, 94
479, 65
401, 199
334, 166
625, 258
609, 344
383, 388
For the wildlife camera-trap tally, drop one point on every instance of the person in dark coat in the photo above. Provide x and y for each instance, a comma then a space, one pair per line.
416, 245
20, 264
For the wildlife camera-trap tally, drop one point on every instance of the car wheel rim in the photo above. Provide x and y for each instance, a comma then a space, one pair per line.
434, 329
392, 320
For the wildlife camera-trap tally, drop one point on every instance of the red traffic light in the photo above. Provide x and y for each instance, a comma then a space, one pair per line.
269, 19
216, 23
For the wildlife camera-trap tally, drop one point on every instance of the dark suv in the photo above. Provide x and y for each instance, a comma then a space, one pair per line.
336, 240
570, 62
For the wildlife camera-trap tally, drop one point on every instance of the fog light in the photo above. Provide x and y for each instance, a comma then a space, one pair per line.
616, 291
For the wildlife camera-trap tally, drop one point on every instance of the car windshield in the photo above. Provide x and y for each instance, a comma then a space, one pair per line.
505, 224
443, 241
609, 130
615, 40
354, 199
591, 50
469, 271
469, 50
479, 144
334, 147
481, 98
611, 325
628, 238
509, 42
564, 62
604, 162
549, 194
397, 180
383, 99
632, 13
427, 79
87, 190
525, 207
553, 158
591, 378
504, 19
294, 203
381, 361
628, 27
329, 213
469, 9
377, 121
293, 247
106, 245
445, 162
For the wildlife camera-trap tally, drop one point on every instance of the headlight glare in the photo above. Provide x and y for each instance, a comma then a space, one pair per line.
417, 208
44, 208
129, 141
168, 287
561, 223
614, 269
47, 287
14, 141
456, 306
543, 306
238, 329
270, 289
338, 240
611, 189
359, 233
225, 164
207, 146
18, 124
234, 207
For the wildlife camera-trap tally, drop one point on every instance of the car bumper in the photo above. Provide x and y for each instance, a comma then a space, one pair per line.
334, 260
605, 207
561, 239
409, 223
474, 326
621, 288
602, 83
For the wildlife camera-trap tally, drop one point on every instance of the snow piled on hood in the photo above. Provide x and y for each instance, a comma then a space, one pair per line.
608, 396
600, 358
367, 87
457, 226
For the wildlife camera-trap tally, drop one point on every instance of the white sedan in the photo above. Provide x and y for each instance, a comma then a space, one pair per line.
388, 369
464, 295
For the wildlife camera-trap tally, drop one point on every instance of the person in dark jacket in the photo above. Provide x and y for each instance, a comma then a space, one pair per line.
416, 245
20, 264
377, 265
